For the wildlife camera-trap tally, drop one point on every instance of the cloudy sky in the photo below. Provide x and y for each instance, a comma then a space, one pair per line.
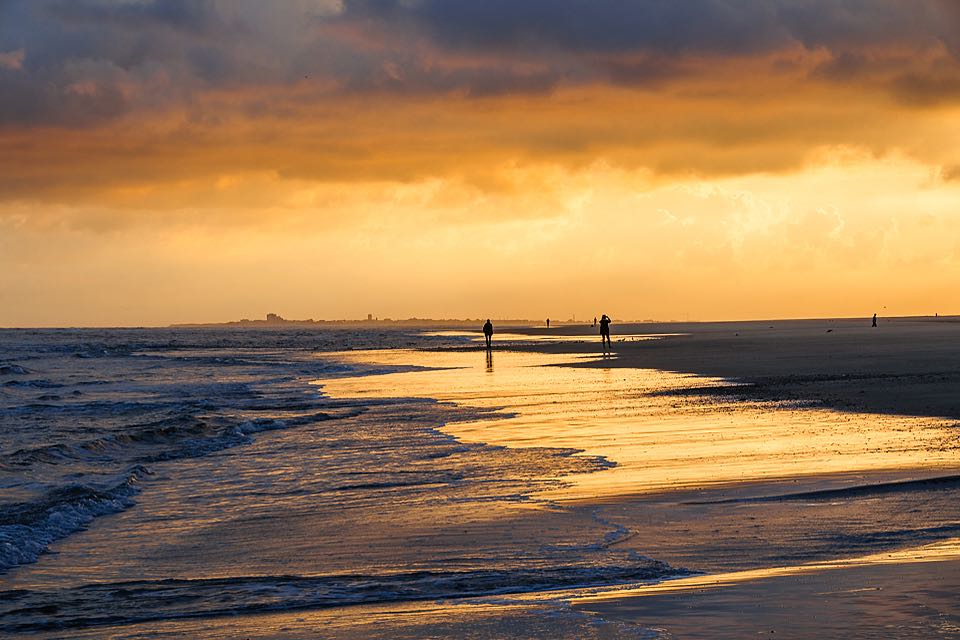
174, 161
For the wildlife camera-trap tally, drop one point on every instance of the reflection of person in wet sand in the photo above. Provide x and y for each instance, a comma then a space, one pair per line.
488, 332
605, 331
489, 361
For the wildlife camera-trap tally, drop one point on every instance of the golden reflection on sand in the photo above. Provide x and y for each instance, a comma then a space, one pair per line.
545, 336
937, 552
659, 442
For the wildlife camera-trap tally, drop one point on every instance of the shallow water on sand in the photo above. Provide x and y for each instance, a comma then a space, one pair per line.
660, 437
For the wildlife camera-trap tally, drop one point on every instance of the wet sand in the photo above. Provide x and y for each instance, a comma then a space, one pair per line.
665, 431
804, 467
899, 599
906, 367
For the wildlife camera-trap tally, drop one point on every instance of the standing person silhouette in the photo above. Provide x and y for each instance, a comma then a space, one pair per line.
874, 320
548, 323
488, 332
605, 331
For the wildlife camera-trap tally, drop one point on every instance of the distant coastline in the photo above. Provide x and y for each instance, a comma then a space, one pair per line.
274, 320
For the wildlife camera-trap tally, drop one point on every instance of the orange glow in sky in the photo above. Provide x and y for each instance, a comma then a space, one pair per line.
170, 162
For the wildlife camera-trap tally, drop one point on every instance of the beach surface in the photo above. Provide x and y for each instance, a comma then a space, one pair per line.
905, 367
786, 479
810, 470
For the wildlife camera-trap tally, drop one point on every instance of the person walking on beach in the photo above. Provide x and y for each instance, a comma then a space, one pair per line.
605, 331
548, 323
874, 320
488, 332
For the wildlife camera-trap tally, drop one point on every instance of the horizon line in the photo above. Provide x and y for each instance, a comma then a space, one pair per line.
282, 322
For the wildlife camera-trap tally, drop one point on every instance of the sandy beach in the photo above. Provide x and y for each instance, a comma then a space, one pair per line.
806, 468
908, 367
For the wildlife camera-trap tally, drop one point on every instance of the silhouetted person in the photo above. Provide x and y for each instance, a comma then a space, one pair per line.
605, 330
488, 332
874, 320
548, 323
594, 320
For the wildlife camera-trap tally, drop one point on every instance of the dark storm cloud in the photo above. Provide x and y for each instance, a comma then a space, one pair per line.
643, 43
195, 16
582, 26
661, 26
26, 102
88, 61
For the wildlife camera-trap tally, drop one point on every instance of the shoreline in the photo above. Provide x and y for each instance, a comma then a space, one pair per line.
898, 597
908, 367
849, 370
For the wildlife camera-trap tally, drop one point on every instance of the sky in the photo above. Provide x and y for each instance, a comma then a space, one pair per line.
199, 161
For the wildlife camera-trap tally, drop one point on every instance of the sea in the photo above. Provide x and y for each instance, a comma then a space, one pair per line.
154, 474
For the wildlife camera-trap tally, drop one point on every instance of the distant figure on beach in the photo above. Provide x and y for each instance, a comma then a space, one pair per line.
548, 323
874, 320
488, 331
594, 320
605, 330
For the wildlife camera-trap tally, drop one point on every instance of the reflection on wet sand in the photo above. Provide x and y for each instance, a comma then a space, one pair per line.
906, 594
660, 440
937, 552
778, 502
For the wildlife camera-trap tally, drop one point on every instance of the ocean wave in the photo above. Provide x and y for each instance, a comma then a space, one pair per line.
95, 408
27, 528
158, 433
34, 384
10, 369
183, 436
142, 601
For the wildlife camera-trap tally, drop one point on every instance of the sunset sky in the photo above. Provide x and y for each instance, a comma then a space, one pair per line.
180, 161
